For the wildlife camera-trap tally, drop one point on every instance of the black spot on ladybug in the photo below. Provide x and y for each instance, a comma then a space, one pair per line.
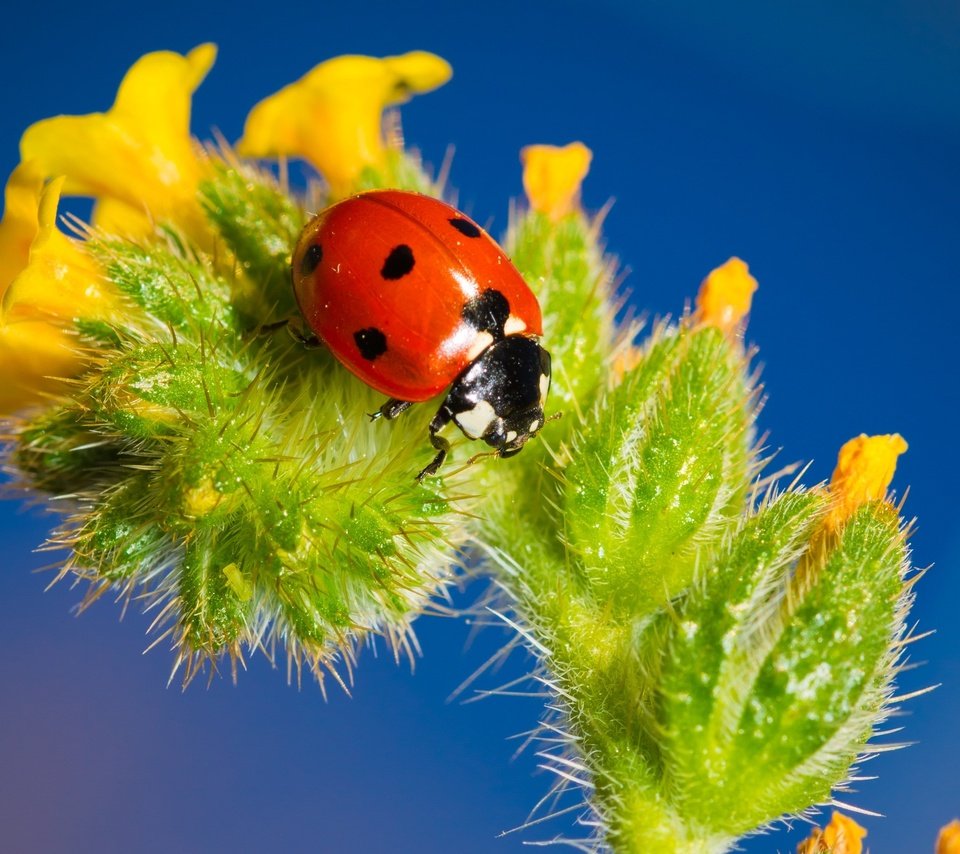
465, 227
399, 262
487, 312
371, 343
311, 259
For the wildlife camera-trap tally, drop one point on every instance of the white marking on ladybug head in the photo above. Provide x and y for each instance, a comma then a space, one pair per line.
544, 387
513, 325
484, 340
535, 425
475, 422
511, 435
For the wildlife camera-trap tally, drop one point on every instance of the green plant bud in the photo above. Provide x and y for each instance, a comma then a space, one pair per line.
148, 390
659, 470
172, 288
212, 614
124, 538
57, 454
259, 223
564, 265
232, 479
402, 171
778, 667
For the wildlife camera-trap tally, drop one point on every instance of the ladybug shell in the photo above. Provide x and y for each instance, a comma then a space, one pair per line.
406, 291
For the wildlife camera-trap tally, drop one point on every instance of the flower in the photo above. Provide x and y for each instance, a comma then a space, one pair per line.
46, 280
332, 115
137, 159
725, 296
865, 468
842, 836
552, 176
948, 840
60, 280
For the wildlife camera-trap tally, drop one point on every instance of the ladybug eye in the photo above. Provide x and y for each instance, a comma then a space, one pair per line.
311, 259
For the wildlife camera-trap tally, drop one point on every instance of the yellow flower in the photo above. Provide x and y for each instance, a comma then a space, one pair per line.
552, 176
948, 842
865, 467
137, 159
46, 280
842, 836
725, 296
60, 280
332, 116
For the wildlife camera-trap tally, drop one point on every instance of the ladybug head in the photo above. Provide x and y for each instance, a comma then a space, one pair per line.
499, 398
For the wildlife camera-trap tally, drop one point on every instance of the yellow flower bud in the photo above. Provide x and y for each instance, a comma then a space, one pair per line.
725, 296
948, 841
552, 176
332, 116
865, 468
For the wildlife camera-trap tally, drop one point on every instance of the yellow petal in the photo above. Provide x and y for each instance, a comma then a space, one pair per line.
552, 176
725, 296
948, 842
33, 356
332, 116
60, 281
865, 468
47, 279
813, 844
139, 152
19, 225
843, 835
117, 217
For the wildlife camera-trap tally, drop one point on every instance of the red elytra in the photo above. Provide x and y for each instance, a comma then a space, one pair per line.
392, 282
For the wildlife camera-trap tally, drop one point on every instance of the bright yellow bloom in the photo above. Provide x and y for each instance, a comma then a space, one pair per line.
865, 467
332, 116
60, 280
138, 159
948, 842
552, 176
842, 836
46, 280
725, 296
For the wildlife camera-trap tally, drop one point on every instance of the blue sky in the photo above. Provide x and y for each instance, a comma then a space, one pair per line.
818, 142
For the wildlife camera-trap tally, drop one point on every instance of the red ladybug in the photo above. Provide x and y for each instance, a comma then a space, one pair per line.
414, 297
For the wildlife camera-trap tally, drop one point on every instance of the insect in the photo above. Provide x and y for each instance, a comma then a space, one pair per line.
413, 297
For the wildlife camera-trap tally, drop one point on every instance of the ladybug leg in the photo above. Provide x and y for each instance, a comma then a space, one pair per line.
307, 340
265, 329
391, 409
296, 329
440, 420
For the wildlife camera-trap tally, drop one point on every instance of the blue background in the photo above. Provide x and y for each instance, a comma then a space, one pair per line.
818, 142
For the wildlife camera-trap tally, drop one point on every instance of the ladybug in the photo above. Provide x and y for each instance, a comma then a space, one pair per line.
413, 297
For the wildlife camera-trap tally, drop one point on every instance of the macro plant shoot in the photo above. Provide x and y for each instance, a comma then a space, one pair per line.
287, 420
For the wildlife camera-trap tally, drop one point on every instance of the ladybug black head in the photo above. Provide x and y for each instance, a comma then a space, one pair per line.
499, 398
